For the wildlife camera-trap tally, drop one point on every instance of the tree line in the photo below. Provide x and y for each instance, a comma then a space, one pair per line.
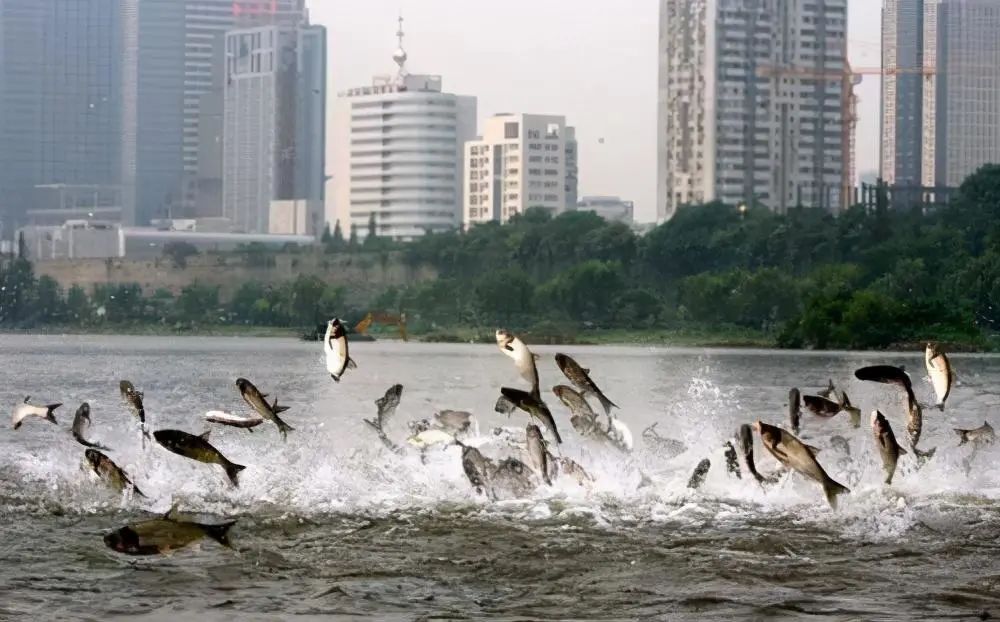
860, 279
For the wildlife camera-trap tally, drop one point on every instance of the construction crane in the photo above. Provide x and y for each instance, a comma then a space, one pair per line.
849, 77
383, 318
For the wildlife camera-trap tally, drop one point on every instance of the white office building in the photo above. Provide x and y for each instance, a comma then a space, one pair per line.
751, 101
520, 161
397, 154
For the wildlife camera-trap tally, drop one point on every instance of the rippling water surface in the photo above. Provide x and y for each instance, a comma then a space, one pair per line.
333, 526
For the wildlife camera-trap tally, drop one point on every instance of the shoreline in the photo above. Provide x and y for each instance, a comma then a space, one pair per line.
683, 338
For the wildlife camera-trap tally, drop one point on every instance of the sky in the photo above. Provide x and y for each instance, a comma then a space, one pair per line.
593, 61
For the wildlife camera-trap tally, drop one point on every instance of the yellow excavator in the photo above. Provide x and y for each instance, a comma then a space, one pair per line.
388, 319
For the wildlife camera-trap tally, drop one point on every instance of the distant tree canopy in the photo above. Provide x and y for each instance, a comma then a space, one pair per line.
861, 279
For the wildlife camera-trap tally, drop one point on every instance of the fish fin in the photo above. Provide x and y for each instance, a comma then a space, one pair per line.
49, 414
136, 491
902, 452
204, 435
555, 433
941, 406
26, 398
172, 511
335, 377
832, 489
233, 470
17, 425
220, 533
606, 403
351, 364
278, 409
585, 370
812, 449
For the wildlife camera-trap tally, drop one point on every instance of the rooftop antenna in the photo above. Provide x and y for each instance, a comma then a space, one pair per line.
400, 54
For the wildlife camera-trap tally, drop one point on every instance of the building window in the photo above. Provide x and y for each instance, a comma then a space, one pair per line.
510, 130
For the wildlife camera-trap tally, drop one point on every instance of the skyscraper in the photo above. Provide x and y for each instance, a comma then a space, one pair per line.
274, 125
60, 98
968, 88
908, 112
398, 155
940, 91
205, 25
751, 96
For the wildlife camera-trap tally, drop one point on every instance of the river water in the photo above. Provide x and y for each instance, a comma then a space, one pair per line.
333, 526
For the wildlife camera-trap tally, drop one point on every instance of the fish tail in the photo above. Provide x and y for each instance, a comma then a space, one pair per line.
941, 406
923, 456
49, 415
335, 377
135, 490
963, 436
555, 432
832, 489
233, 470
220, 533
606, 403
283, 427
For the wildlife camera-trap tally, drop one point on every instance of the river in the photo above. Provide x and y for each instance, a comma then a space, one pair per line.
333, 526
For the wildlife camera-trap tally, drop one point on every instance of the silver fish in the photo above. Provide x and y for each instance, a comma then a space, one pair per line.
338, 357
580, 378
793, 453
939, 369
888, 448
983, 435
538, 454
523, 358
24, 410
81, 422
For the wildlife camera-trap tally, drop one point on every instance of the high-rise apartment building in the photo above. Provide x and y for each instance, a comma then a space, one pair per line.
520, 161
940, 91
274, 126
397, 155
751, 100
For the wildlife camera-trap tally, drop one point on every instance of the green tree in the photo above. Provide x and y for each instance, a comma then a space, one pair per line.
48, 304
179, 252
78, 307
198, 303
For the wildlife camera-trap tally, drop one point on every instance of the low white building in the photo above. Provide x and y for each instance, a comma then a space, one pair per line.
609, 208
520, 161
397, 155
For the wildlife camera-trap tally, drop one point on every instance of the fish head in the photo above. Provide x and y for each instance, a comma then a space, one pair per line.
125, 540
335, 329
243, 384
878, 423
932, 349
93, 457
562, 360
166, 438
533, 432
125, 387
504, 337
746, 436
769, 434
83, 411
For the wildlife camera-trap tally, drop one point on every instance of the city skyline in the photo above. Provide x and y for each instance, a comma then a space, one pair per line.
608, 88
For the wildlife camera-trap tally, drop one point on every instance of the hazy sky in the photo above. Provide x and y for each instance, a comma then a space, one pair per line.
593, 61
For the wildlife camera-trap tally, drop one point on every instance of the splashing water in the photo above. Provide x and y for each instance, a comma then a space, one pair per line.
362, 530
